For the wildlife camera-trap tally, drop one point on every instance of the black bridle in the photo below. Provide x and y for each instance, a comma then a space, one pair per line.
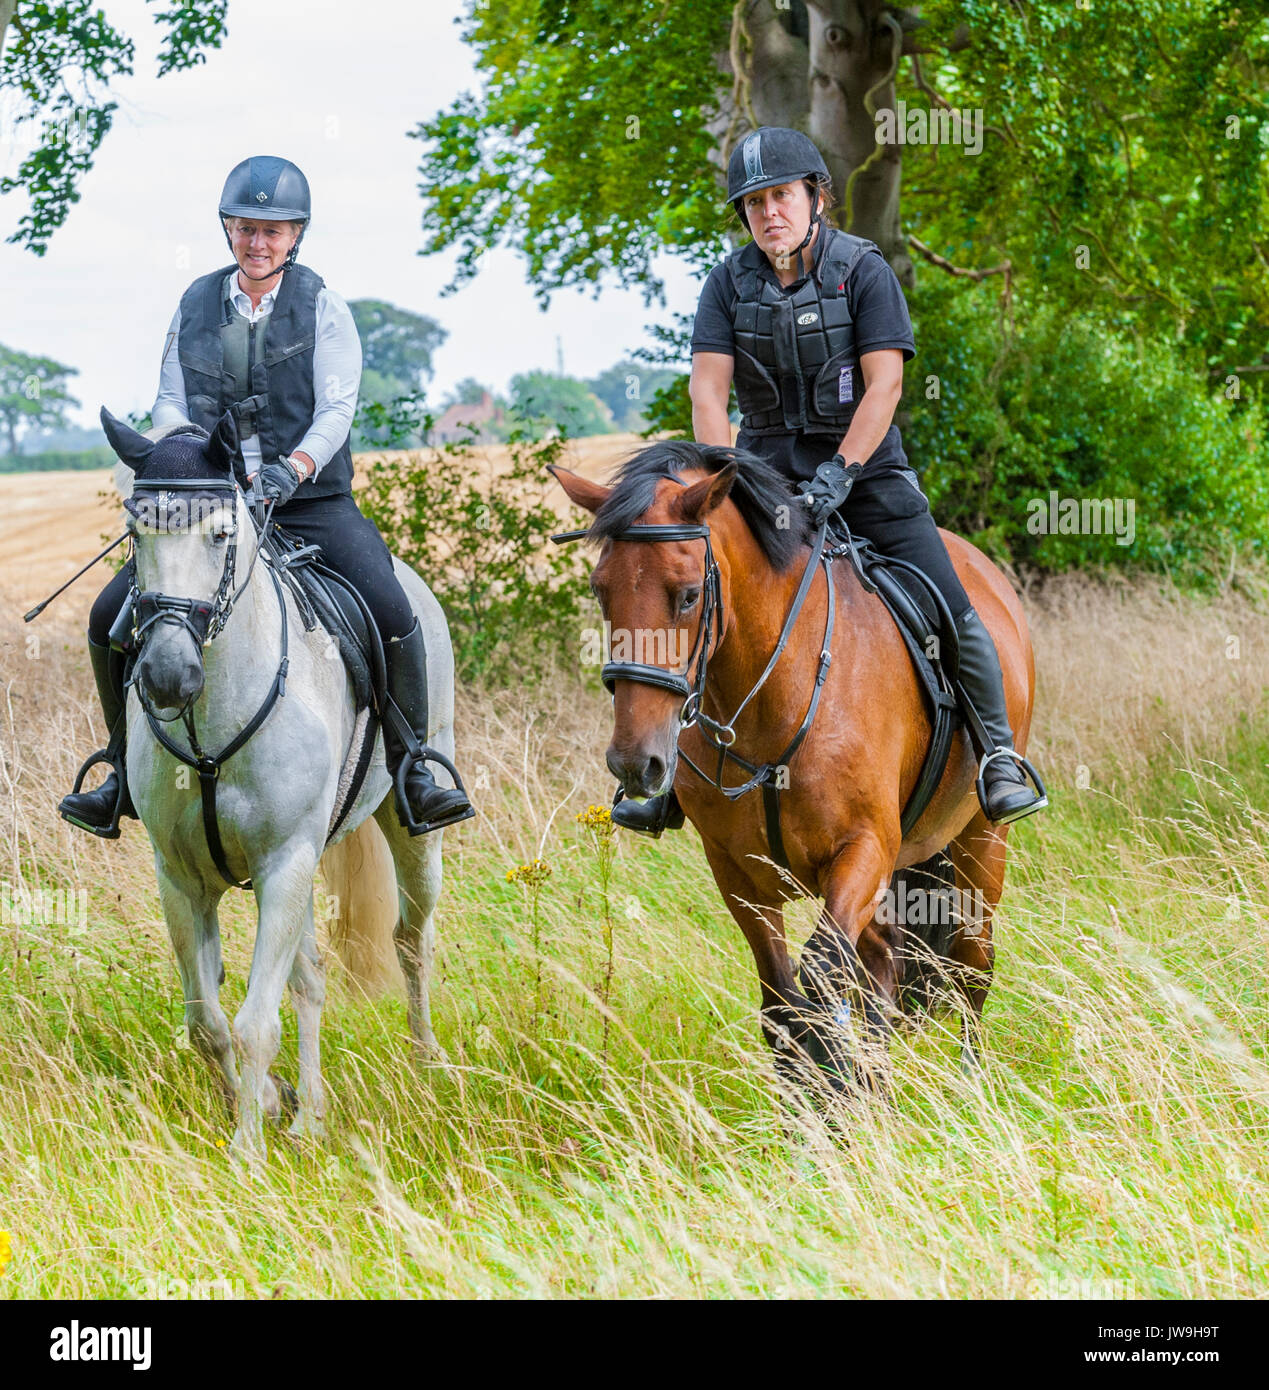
205, 620
722, 734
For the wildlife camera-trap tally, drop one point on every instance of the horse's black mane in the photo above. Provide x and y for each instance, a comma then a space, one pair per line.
770, 507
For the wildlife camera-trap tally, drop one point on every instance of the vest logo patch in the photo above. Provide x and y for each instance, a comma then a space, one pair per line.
808, 318
845, 385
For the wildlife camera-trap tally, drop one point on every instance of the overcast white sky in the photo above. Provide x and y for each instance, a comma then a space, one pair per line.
335, 87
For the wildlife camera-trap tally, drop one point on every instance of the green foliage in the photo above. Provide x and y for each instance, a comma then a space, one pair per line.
587, 149
396, 343
543, 401
1065, 406
480, 536
469, 391
1138, 129
56, 459
629, 390
57, 64
33, 393
389, 415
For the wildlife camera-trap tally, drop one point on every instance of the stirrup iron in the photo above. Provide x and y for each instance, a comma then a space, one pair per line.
1028, 771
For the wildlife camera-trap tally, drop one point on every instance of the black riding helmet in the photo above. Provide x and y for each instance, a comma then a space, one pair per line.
272, 190
774, 155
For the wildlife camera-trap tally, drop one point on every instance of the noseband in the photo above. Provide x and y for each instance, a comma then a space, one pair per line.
711, 623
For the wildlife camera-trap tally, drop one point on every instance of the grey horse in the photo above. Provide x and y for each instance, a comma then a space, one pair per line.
275, 797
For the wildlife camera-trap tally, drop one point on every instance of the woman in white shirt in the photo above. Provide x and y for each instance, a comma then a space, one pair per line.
265, 339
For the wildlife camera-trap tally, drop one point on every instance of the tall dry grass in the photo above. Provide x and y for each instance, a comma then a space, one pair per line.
1114, 1145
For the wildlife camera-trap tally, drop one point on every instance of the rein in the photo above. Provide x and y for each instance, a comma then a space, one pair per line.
723, 735
205, 621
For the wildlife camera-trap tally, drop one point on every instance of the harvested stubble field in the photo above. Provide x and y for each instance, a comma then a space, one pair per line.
1115, 1144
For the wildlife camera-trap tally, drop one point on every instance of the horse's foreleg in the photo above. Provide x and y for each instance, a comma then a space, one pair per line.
195, 935
308, 991
763, 926
284, 894
850, 951
418, 865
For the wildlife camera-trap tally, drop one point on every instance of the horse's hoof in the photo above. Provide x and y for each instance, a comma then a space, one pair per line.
247, 1155
288, 1100
429, 1053
307, 1128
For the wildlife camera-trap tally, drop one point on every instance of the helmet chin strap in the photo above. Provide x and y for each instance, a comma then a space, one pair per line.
816, 219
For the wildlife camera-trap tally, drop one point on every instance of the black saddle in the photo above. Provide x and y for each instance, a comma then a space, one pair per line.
929, 632
327, 598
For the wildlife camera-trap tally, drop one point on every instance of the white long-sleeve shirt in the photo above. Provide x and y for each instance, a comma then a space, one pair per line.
336, 376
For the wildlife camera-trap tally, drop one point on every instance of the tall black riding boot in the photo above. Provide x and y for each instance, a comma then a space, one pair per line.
1003, 790
100, 811
648, 817
421, 804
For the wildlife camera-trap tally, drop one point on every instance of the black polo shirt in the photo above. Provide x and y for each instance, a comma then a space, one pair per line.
881, 321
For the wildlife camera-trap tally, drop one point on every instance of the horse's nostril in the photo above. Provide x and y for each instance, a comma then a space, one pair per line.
654, 774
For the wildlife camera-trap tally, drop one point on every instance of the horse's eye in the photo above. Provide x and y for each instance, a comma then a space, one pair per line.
689, 599
220, 537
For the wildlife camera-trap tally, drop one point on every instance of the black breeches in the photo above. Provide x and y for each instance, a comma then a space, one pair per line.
890, 510
351, 546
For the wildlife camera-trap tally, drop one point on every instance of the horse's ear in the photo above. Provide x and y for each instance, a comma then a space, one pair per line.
589, 496
695, 503
222, 447
131, 447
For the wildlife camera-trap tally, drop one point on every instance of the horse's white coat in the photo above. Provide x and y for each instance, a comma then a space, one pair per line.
274, 801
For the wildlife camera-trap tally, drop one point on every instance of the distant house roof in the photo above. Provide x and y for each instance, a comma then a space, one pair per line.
466, 422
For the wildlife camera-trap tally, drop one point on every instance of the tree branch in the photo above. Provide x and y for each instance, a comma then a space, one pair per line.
1005, 268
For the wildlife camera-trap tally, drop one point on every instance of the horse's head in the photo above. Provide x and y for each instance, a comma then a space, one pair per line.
187, 520
665, 594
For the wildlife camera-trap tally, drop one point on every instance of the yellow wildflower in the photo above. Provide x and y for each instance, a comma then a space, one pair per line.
534, 875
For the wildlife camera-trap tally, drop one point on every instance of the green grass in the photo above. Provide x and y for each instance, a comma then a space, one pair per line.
1114, 1146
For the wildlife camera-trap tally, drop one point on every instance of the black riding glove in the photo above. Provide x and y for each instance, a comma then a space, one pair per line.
278, 482
829, 488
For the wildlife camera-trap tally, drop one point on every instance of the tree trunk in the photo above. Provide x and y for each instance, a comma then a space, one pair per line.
855, 50
818, 66
7, 8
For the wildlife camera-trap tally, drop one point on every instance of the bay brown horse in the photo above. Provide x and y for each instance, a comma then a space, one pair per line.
852, 773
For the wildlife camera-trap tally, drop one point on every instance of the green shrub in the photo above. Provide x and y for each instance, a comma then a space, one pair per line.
58, 459
1066, 405
481, 539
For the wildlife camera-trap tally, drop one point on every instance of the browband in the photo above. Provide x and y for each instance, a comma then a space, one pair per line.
642, 532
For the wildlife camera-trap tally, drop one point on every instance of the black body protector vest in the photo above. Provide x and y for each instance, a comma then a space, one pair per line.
262, 371
796, 364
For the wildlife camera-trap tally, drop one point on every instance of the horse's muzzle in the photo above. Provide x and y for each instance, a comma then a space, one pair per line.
640, 774
168, 675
